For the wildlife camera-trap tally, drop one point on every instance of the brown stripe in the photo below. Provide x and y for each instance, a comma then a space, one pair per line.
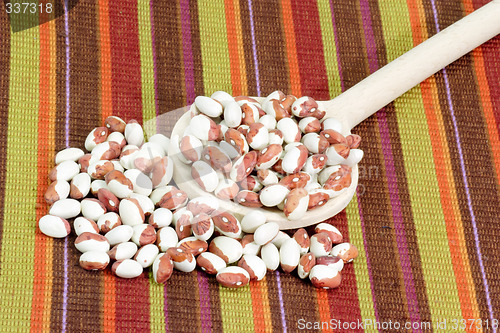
343, 301
387, 278
84, 116
196, 48
479, 171
403, 191
60, 119
349, 42
168, 48
183, 302
407, 215
247, 48
4, 107
84, 72
271, 46
274, 302
215, 311
375, 204
299, 300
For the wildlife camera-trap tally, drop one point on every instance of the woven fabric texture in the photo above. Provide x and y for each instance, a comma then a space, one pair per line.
425, 218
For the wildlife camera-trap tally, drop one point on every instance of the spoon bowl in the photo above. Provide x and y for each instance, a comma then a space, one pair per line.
364, 99
183, 179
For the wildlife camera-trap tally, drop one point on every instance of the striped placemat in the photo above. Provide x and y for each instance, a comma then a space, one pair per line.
425, 217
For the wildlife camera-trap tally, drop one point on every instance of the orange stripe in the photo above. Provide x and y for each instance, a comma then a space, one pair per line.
266, 308
257, 306
232, 45
291, 48
109, 296
324, 309
109, 302
106, 98
449, 200
42, 289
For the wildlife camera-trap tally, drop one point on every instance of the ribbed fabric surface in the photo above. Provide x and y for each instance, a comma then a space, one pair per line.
425, 218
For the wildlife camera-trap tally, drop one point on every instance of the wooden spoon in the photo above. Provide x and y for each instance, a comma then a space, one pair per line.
364, 99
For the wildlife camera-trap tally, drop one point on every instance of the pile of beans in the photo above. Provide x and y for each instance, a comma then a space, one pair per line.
126, 215
283, 152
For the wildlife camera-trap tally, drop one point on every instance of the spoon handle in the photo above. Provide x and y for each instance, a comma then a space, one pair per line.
391, 81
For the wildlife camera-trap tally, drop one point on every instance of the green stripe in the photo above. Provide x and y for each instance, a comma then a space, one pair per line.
156, 305
236, 309
147, 67
16, 276
329, 47
422, 181
214, 50
363, 285
236, 305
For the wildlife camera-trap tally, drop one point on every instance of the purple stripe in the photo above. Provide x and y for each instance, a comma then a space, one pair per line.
466, 183
187, 51
280, 297
337, 51
392, 182
153, 47
205, 314
68, 112
254, 48
165, 307
371, 46
66, 29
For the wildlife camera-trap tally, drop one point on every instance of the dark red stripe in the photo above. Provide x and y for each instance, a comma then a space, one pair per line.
169, 65
374, 201
247, 48
132, 296
273, 71
311, 61
132, 304
4, 107
125, 58
314, 82
300, 298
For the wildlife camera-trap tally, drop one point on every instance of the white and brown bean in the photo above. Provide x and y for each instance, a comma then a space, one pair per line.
128, 216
